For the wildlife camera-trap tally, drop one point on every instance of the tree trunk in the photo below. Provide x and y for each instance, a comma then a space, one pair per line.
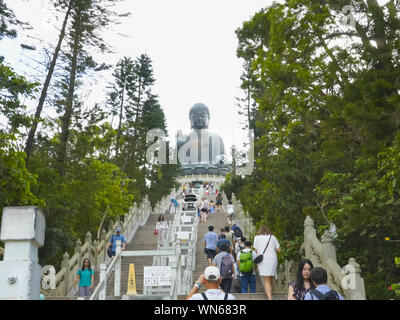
120, 124
39, 108
66, 118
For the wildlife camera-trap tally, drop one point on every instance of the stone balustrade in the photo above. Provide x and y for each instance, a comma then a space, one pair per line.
347, 280
96, 250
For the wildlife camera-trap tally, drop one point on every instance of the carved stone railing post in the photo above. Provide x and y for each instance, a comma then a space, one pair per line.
309, 232
353, 281
328, 248
22, 231
78, 250
103, 238
66, 266
95, 254
88, 241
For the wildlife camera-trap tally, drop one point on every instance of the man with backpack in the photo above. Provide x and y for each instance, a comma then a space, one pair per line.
322, 291
245, 262
116, 239
224, 261
237, 233
211, 280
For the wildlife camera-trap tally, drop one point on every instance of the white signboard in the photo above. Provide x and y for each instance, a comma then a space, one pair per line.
157, 276
186, 219
182, 235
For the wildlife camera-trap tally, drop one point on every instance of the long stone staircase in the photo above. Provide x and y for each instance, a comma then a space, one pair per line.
144, 239
219, 220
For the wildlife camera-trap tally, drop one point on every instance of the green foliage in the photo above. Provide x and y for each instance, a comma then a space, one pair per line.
290, 249
396, 286
13, 87
75, 173
16, 181
327, 128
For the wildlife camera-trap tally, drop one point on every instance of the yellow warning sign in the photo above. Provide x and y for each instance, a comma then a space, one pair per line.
131, 280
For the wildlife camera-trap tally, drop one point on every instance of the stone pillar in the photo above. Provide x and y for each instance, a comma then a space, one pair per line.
78, 250
328, 248
65, 265
103, 237
309, 231
95, 260
22, 231
88, 240
309, 227
353, 282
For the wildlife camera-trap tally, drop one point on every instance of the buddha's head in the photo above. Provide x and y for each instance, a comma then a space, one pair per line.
199, 116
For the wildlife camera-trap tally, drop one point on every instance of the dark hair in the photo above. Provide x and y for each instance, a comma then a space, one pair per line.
230, 201
210, 228
161, 216
222, 236
247, 243
299, 278
242, 239
227, 229
264, 230
83, 264
319, 275
224, 247
222, 229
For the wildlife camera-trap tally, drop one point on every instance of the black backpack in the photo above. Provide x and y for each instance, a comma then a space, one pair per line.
205, 297
237, 232
330, 295
110, 247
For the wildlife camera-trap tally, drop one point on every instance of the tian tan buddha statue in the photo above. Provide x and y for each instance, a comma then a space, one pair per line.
201, 151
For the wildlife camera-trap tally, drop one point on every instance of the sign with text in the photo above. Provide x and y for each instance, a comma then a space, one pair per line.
157, 276
186, 219
183, 235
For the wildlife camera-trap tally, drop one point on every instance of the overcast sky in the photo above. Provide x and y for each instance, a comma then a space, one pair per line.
192, 45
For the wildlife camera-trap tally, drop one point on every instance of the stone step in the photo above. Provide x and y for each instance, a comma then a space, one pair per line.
252, 296
80, 298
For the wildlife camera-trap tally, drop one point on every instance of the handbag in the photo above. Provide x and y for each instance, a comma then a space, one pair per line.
155, 232
260, 257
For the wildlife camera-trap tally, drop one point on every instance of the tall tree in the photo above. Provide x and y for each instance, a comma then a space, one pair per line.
65, 4
125, 76
329, 115
89, 17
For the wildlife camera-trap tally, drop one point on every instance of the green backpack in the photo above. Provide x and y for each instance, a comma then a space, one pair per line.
246, 262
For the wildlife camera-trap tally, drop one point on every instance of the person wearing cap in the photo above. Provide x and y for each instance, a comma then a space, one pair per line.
114, 241
211, 280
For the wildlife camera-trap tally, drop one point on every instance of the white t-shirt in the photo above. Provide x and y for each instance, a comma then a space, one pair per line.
212, 294
161, 225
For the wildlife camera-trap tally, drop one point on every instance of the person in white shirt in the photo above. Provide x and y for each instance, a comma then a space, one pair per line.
161, 227
211, 279
266, 244
230, 209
